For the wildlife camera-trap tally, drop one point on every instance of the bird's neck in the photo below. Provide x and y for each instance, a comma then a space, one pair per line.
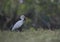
22, 19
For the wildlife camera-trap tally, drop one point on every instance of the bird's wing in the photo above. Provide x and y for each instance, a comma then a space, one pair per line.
17, 25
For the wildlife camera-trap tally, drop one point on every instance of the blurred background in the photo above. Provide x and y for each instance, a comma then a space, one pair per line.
39, 14
41, 24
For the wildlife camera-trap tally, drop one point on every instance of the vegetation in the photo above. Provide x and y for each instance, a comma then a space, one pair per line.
40, 13
30, 36
41, 24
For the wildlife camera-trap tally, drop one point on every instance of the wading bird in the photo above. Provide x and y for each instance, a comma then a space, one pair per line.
19, 23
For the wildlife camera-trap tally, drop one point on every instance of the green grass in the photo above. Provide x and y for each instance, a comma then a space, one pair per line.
30, 36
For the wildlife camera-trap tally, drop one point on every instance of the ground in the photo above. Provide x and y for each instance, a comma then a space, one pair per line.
30, 36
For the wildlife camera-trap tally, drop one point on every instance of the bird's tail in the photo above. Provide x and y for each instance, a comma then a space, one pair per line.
12, 29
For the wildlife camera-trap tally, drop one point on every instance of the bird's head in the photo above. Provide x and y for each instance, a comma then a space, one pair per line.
22, 17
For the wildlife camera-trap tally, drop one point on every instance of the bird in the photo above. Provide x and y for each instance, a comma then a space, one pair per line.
19, 23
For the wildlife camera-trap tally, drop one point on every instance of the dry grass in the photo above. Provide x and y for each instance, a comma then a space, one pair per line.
30, 36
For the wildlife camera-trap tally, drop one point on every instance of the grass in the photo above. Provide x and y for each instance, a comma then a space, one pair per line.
30, 36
